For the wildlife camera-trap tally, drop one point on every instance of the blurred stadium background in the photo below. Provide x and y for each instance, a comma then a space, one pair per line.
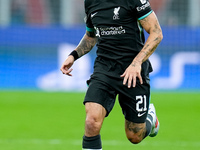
35, 38
37, 35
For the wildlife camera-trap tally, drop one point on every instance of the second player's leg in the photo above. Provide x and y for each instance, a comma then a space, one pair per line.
135, 132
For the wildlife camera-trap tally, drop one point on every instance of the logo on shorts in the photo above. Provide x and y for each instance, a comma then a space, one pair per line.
141, 114
116, 13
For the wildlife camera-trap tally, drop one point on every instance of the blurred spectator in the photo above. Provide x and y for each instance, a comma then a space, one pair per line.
178, 12
80, 13
55, 11
48, 12
31, 12
38, 12
18, 11
158, 5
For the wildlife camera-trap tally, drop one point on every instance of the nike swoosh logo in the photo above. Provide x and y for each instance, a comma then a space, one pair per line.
92, 15
141, 114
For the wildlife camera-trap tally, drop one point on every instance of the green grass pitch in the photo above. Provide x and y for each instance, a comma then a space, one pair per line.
34, 120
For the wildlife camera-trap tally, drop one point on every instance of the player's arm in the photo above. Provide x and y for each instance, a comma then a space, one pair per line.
86, 44
151, 25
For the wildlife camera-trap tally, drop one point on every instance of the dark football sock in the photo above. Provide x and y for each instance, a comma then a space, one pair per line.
92, 142
149, 121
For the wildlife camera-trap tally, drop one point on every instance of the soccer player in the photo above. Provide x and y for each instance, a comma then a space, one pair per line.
121, 67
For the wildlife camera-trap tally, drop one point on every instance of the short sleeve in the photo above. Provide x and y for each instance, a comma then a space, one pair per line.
142, 9
88, 22
89, 25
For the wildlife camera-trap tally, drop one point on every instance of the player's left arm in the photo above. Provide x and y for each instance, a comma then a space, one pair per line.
151, 25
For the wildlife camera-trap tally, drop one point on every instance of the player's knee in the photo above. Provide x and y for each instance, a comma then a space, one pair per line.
135, 139
92, 124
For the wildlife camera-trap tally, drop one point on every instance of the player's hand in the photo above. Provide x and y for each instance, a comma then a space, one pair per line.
131, 74
66, 66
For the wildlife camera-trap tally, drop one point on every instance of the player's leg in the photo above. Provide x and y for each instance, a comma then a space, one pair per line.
95, 114
135, 110
136, 132
99, 101
139, 122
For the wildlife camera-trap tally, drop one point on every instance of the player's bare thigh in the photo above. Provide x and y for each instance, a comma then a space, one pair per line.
95, 114
135, 132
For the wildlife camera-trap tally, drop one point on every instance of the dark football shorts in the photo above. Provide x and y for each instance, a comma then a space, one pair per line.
134, 102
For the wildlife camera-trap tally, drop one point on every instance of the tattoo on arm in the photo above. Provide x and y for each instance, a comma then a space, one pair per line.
90, 34
148, 51
86, 44
155, 37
